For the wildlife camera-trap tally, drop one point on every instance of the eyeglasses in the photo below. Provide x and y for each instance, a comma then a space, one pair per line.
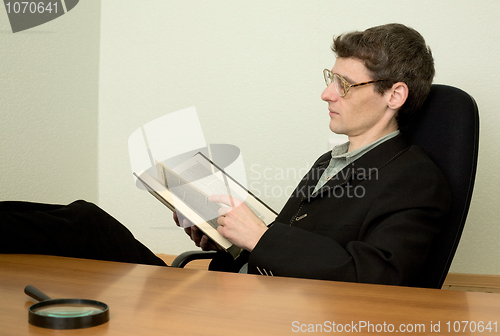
341, 84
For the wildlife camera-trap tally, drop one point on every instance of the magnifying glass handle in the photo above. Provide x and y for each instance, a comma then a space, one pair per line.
35, 293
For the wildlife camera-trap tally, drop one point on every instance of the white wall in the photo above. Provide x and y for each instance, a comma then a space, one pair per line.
252, 69
48, 108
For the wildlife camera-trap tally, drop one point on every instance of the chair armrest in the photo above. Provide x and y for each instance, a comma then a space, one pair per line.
184, 258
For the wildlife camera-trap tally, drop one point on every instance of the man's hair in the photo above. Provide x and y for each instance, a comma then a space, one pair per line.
395, 53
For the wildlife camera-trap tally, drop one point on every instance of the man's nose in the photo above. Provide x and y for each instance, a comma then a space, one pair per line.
329, 93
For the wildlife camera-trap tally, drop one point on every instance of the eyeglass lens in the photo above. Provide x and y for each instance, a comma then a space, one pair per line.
337, 82
339, 85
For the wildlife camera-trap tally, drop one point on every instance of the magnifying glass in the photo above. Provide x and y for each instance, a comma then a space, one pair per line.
65, 313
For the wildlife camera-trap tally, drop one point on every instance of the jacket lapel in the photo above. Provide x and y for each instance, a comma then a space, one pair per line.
362, 168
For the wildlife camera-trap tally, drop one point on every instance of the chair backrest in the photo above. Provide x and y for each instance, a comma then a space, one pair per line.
447, 128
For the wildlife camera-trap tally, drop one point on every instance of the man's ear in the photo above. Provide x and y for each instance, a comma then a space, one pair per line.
398, 95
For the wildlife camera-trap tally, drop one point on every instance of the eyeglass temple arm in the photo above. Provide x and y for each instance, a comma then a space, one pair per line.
359, 84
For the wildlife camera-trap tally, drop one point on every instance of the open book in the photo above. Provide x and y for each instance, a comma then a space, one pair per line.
186, 189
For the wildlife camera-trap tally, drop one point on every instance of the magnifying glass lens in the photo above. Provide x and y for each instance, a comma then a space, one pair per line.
65, 313
68, 310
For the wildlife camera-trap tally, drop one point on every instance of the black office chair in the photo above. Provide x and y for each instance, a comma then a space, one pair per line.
447, 128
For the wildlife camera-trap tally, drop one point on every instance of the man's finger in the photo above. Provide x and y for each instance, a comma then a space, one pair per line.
225, 199
223, 211
176, 219
195, 235
186, 223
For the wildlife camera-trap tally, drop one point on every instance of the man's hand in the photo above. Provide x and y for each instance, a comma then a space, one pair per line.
194, 233
238, 223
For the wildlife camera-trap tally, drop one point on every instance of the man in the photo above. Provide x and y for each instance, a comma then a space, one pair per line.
368, 210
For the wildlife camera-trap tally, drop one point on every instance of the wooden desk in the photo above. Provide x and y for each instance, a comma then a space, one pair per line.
150, 300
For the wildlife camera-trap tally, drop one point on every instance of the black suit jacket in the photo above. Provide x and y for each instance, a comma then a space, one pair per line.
373, 222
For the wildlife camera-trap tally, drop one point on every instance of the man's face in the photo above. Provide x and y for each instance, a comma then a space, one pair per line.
361, 112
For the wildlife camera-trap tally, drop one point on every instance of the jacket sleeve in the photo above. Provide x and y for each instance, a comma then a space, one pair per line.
399, 220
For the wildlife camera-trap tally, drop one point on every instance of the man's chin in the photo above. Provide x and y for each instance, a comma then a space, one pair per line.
336, 129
